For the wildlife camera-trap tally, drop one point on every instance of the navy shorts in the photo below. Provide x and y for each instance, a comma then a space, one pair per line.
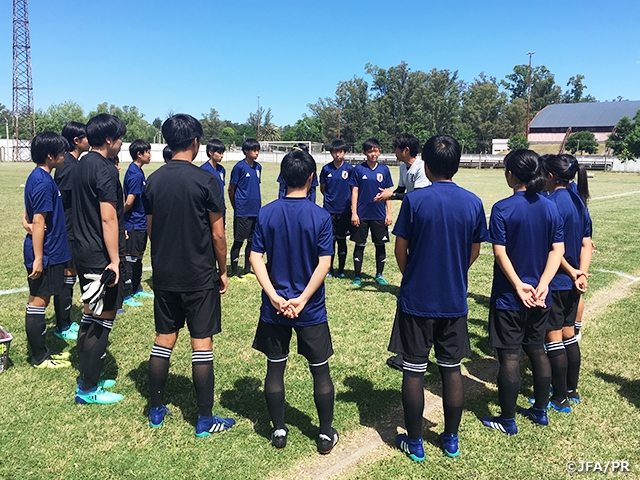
413, 337
510, 329
314, 341
200, 310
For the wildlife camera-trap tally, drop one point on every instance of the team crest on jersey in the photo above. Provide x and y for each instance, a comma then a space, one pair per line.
379, 177
412, 178
345, 174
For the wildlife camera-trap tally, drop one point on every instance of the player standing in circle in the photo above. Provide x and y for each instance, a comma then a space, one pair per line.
439, 230
526, 232
215, 151
334, 186
571, 280
366, 181
184, 207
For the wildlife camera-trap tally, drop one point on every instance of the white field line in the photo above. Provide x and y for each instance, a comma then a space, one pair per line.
621, 274
605, 197
14, 290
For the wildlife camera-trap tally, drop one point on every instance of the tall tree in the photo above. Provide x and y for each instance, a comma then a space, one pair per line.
544, 90
482, 106
211, 125
307, 128
356, 112
575, 92
56, 116
326, 110
625, 141
5, 118
137, 126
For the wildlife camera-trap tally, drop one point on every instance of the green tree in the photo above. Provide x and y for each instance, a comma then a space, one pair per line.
211, 126
622, 130
625, 141
157, 122
575, 92
518, 142
137, 126
435, 100
307, 128
326, 110
482, 106
584, 141
56, 116
514, 117
227, 136
357, 115
544, 90
5, 118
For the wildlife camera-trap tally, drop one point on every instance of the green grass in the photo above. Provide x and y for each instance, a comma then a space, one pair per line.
43, 434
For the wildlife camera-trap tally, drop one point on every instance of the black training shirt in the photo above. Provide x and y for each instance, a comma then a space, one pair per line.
180, 196
95, 180
64, 179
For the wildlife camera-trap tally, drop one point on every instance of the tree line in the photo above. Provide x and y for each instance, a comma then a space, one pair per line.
381, 104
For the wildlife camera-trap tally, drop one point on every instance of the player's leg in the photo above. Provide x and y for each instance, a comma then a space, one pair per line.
359, 237
238, 240
557, 353
65, 328
380, 236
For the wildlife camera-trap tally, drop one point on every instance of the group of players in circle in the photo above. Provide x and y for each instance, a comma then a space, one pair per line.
84, 223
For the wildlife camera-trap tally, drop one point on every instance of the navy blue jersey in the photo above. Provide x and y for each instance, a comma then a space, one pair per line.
573, 187
247, 181
440, 222
576, 224
134, 181
41, 195
311, 194
337, 191
527, 225
369, 182
293, 233
64, 179
219, 172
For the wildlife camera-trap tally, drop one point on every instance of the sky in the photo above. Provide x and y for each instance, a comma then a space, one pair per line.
194, 55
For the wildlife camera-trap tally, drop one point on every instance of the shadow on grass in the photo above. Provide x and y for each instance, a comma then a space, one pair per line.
247, 400
630, 389
178, 391
480, 299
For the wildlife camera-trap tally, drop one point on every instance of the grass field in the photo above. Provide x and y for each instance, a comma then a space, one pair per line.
44, 434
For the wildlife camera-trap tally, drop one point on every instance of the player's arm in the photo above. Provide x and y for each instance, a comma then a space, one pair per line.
525, 291
294, 306
554, 259
355, 220
149, 222
37, 238
386, 194
402, 253
586, 252
128, 203
110, 236
260, 269
475, 253
232, 194
323, 188
25, 223
219, 246
389, 218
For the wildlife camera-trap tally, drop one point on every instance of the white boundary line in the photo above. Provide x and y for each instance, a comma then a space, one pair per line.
615, 195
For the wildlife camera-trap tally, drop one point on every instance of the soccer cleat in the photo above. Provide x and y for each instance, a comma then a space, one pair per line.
156, 416
238, 279
449, 443
60, 356
97, 396
562, 407
120, 311
74, 326
142, 294
380, 280
329, 275
536, 415
413, 448
357, 282
505, 425
53, 364
279, 438
249, 275
573, 396
66, 334
208, 425
326, 443
340, 275
131, 302
104, 383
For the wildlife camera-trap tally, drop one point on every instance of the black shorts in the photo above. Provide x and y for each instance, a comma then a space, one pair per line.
413, 337
509, 329
113, 295
379, 232
243, 228
136, 244
51, 282
200, 309
341, 223
564, 308
314, 341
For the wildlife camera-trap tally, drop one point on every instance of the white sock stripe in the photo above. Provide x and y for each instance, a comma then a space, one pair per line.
578, 324
31, 310
415, 367
70, 280
163, 352
445, 364
277, 360
103, 322
201, 357
104, 355
569, 341
319, 364
554, 346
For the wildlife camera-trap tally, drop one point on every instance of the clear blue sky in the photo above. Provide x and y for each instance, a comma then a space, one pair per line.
192, 55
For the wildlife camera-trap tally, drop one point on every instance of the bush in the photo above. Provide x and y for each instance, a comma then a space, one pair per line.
517, 142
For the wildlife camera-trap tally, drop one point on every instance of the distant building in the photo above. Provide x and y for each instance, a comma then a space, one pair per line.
551, 123
499, 145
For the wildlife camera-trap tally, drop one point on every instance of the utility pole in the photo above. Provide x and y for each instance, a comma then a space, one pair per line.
529, 94
258, 117
338, 102
23, 113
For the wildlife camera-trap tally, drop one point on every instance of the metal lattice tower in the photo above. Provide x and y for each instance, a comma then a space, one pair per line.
23, 113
